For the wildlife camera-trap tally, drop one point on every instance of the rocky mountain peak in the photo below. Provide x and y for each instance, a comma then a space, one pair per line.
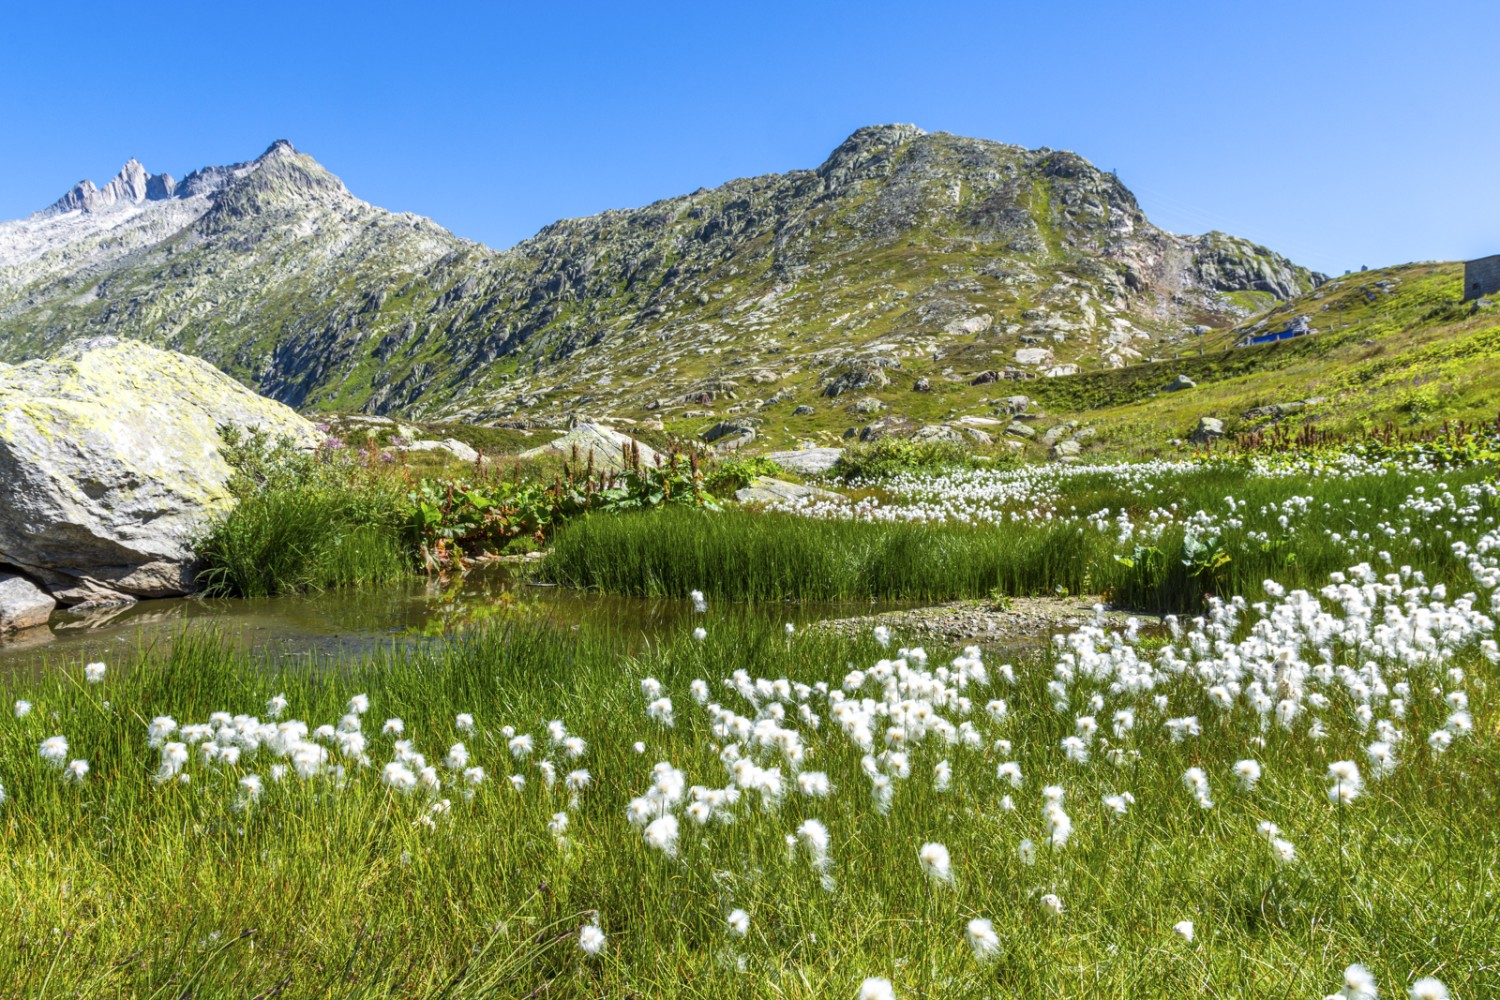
131, 186
867, 152
277, 150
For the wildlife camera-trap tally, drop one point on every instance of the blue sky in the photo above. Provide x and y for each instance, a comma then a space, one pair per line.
1338, 133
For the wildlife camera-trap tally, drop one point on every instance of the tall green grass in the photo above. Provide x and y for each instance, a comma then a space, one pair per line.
743, 556
297, 539
122, 887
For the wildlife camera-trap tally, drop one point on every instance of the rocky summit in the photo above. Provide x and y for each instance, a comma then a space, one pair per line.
970, 255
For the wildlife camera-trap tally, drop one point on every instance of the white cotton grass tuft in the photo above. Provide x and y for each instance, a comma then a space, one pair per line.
1248, 773
1197, 783
22, 708
700, 604
739, 923
94, 672
76, 771
1052, 904
983, 940
54, 750
660, 711
591, 939
1428, 988
1184, 929
1359, 983
936, 864
700, 633
464, 722
1347, 784
876, 988
815, 840
661, 833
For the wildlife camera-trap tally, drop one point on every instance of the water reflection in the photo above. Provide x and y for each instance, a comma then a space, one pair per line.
346, 623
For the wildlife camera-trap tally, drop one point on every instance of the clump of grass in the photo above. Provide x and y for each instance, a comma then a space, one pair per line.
305, 522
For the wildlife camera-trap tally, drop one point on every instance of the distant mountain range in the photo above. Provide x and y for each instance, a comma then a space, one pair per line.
902, 246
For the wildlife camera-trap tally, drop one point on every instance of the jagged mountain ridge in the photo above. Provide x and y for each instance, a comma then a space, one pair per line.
901, 244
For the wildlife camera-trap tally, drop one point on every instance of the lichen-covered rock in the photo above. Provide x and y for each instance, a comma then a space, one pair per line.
109, 452
940, 432
607, 445
1020, 430
807, 461
22, 603
1181, 382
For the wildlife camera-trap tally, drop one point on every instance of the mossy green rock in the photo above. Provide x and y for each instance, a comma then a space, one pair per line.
111, 464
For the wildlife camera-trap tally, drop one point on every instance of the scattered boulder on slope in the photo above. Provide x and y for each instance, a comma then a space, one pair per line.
807, 461
606, 443
110, 458
1208, 429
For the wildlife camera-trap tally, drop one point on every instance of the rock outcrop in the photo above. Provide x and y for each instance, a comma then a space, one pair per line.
607, 445
109, 452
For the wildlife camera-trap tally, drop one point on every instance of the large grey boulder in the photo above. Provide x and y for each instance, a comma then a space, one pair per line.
606, 444
807, 461
111, 466
1181, 382
22, 603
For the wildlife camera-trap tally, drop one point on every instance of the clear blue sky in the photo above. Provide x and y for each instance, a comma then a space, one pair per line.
1338, 133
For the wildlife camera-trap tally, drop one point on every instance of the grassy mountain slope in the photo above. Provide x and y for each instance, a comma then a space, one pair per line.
1392, 345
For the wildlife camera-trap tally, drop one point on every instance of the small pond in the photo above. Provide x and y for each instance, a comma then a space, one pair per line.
340, 624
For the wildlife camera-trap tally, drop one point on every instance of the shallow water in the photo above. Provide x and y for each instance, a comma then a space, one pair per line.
339, 624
